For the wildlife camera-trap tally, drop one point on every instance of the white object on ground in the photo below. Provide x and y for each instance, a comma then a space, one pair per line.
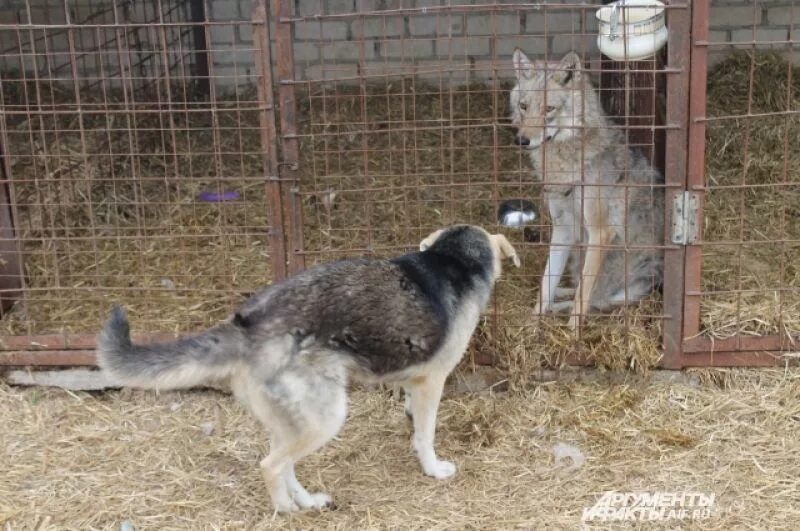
562, 451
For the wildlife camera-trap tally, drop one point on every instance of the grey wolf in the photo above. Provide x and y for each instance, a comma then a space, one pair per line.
605, 201
290, 350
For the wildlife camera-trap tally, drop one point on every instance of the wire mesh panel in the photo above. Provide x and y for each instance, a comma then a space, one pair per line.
135, 162
405, 126
742, 276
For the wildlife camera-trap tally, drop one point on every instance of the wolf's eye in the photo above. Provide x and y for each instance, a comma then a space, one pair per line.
523, 106
550, 109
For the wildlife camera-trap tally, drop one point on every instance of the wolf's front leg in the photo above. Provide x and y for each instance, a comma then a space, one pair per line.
561, 243
599, 238
425, 397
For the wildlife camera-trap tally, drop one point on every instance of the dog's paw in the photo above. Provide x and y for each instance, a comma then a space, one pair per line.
289, 506
441, 470
319, 500
322, 500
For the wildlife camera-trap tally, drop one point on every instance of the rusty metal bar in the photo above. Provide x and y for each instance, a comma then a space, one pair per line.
48, 358
77, 358
72, 341
269, 139
197, 10
290, 152
743, 343
737, 359
678, 50
11, 269
696, 160
452, 8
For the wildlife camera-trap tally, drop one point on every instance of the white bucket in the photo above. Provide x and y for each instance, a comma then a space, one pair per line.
631, 30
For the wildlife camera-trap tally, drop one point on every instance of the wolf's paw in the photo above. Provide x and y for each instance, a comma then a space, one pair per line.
574, 322
565, 293
441, 470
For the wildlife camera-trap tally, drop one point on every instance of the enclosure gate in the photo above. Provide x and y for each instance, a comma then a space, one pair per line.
686, 185
739, 348
277, 106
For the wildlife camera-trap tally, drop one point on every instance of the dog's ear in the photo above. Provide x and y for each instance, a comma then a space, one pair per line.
505, 249
523, 66
568, 69
427, 242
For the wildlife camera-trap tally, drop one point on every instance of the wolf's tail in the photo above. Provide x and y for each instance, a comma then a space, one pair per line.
179, 364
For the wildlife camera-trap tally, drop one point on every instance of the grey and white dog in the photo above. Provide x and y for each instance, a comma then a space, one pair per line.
290, 349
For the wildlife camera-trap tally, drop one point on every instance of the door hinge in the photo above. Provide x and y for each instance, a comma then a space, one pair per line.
684, 217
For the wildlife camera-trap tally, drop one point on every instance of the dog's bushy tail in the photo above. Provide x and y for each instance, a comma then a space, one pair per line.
178, 364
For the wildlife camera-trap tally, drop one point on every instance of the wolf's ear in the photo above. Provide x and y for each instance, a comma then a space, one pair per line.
427, 242
523, 66
505, 249
568, 68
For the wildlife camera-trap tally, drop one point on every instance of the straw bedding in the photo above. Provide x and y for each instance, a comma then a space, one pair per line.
189, 460
116, 216
753, 169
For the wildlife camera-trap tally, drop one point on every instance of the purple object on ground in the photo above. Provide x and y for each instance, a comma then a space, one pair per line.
211, 197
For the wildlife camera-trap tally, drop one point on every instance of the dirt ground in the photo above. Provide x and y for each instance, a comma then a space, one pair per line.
188, 460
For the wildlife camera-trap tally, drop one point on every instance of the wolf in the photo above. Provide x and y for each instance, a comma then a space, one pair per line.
600, 194
289, 352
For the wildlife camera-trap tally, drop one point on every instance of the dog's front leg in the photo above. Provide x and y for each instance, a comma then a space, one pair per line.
425, 396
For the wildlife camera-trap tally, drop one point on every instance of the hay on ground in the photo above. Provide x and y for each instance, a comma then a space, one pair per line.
188, 460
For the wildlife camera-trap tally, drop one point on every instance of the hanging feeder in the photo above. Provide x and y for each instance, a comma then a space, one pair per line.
631, 30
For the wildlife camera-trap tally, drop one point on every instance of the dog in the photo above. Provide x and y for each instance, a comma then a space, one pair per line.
290, 350
597, 191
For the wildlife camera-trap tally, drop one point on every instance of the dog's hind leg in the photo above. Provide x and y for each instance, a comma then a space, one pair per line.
303, 408
310, 427
425, 394
301, 496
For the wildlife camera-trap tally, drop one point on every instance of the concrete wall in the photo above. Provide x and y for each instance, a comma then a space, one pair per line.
739, 22
453, 47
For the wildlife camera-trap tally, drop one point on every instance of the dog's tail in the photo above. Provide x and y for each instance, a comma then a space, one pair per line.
179, 364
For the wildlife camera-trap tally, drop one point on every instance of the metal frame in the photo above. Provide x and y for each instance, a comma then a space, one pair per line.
122, 39
698, 350
684, 170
